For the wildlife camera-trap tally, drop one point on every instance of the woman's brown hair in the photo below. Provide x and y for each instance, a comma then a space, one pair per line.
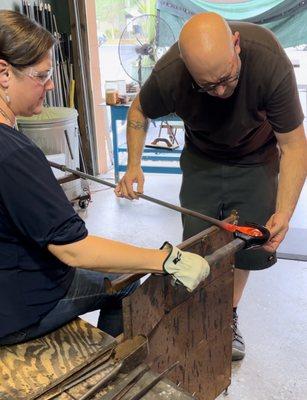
23, 42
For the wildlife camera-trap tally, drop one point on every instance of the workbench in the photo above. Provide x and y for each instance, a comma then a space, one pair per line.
192, 328
67, 363
119, 114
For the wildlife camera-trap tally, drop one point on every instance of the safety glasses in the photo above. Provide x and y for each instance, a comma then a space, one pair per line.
42, 77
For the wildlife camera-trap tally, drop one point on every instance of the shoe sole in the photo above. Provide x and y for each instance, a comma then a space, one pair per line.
239, 355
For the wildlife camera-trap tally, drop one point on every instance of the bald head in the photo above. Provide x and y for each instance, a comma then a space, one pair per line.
206, 45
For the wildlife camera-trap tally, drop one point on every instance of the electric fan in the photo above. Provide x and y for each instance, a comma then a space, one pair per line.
144, 40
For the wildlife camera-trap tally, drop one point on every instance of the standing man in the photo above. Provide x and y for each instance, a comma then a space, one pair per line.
234, 88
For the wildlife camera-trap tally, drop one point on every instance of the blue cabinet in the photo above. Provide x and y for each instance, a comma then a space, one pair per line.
119, 113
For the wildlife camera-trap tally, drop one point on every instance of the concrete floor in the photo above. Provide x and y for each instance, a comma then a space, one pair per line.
272, 314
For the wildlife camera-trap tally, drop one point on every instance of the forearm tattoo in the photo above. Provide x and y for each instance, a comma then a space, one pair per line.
139, 125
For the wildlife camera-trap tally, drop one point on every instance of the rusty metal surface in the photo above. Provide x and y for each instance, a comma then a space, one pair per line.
194, 328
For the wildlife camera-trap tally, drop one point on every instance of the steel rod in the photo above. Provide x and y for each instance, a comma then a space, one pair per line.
103, 382
126, 279
124, 386
227, 250
152, 383
182, 210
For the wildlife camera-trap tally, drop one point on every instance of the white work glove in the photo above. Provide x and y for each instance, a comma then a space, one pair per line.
187, 268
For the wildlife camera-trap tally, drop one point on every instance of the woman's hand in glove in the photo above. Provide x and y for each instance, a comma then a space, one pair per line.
187, 268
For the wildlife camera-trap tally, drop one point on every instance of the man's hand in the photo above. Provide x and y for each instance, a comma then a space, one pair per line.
125, 185
278, 226
188, 268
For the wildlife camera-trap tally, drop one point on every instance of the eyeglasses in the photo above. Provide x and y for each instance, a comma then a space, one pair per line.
42, 77
212, 86
208, 87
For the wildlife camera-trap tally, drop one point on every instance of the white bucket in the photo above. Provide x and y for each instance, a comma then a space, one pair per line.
55, 131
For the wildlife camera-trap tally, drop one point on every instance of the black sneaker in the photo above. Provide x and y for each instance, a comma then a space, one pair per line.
238, 345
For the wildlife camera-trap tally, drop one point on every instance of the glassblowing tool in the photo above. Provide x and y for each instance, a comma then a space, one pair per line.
253, 235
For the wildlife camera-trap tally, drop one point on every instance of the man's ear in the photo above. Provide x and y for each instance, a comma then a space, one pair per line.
4, 74
236, 42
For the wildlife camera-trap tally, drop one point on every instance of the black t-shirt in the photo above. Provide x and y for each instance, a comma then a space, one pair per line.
34, 212
239, 129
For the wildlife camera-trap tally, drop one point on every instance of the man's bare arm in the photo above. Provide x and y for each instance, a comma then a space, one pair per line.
293, 168
137, 125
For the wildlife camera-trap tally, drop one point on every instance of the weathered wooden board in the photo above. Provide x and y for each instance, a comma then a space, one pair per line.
29, 369
192, 328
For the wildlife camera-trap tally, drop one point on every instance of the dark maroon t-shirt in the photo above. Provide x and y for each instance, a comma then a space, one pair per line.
239, 129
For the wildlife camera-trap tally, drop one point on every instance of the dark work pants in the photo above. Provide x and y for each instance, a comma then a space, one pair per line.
216, 189
86, 293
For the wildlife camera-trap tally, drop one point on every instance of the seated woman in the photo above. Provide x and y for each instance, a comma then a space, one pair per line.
51, 270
